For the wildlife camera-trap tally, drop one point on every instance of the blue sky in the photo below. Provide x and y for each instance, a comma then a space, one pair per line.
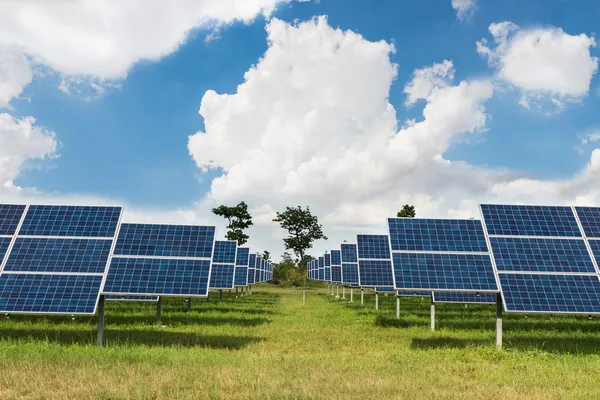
130, 143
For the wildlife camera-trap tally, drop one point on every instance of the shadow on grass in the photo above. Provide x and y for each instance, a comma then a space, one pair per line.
190, 319
448, 343
151, 338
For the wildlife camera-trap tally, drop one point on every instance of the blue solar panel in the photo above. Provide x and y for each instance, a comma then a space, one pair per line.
59, 255
443, 271
373, 247
327, 275
79, 221
336, 257
336, 274
10, 216
595, 246
590, 220
465, 297
251, 273
321, 275
257, 270
385, 290
436, 235
152, 276
401, 293
242, 257
241, 276
132, 298
224, 252
551, 293
542, 255
321, 262
530, 220
328, 260
349, 253
36, 293
165, 240
252, 261
374, 273
4, 243
350, 273
221, 276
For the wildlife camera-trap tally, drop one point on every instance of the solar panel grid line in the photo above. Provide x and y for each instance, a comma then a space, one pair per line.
537, 237
13, 238
586, 241
481, 253
66, 237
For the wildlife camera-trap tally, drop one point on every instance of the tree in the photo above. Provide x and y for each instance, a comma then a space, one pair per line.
303, 229
266, 255
407, 212
239, 220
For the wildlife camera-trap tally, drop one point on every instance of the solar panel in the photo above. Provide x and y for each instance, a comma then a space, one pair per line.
590, 220
384, 290
4, 243
542, 255
458, 272
221, 276
165, 240
225, 252
132, 298
518, 220
251, 268
349, 253
59, 255
402, 293
57, 258
349, 259
420, 234
49, 293
257, 269
336, 257
241, 266
374, 263
73, 221
336, 273
321, 275
551, 293
10, 216
464, 297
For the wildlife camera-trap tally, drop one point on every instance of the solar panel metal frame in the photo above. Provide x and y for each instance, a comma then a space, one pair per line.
375, 259
462, 302
498, 273
165, 258
16, 235
147, 299
440, 252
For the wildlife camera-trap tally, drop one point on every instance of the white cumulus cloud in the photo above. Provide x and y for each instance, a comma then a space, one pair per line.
15, 73
546, 64
464, 8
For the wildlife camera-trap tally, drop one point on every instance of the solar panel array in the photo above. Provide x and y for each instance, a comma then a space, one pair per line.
544, 257
54, 258
223, 264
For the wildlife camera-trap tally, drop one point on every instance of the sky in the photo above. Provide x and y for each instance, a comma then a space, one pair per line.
351, 107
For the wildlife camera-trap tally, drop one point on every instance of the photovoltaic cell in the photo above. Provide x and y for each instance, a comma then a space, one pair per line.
35, 293
336, 257
436, 235
350, 273
518, 220
165, 240
375, 273
542, 255
224, 252
590, 220
77, 221
373, 247
551, 293
10, 216
221, 276
157, 276
349, 253
59, 255
443, 271
465, 297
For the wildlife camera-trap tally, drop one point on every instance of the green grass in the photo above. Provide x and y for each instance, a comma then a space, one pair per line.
268, 346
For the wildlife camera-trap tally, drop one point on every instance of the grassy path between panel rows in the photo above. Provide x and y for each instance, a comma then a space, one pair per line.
268, 346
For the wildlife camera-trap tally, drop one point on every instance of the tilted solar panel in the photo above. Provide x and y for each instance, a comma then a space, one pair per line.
165, 240
221, 276
251, 268
373, 247
75, 221
590, 220
321, 275
465, 297
241, 266
374, 262
518, 220
595, 247
225, 252
350, 273
349, 253
10, 216
336, 257
421, 234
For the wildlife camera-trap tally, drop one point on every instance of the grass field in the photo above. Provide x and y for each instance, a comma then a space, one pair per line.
268, 346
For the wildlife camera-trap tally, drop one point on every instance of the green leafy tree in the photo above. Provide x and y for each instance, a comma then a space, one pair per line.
407, 212
266, 255
303, 229
239, 220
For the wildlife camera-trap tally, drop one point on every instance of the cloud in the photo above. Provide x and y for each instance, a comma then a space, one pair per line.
15, 73
20, 142
546, 64
464, 8
104, 39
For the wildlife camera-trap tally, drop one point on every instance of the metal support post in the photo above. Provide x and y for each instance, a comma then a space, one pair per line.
376, 301
236, 292
189, 304
432, 315
159, 310
362, 297
337, 291
397, 307
344, 292
304, 297
100, 337
351, 295
229, 292
220, 295
498, 321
